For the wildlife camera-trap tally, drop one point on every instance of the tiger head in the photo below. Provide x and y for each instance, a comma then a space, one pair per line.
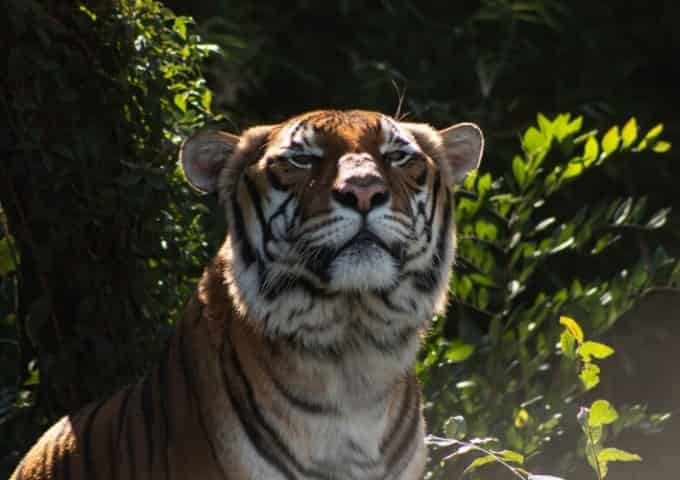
339, 221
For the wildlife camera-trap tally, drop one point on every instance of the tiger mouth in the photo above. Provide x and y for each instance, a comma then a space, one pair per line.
365, 238
321, 260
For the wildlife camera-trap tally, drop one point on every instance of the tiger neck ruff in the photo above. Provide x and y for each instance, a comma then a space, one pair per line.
295, 358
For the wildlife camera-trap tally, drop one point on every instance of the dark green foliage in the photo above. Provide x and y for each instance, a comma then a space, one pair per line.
95, 102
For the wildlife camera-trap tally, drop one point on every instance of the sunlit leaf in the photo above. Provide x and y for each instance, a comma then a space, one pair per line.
607, 455
629, 133
654, 132
459, 351
602, 413
478, 462
661, 147
590, 375
590, 151
7, 256
568, 344
610, 141
598, 350
573, 327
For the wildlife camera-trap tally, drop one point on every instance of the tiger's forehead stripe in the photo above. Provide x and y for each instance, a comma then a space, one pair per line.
396, 138
299, 138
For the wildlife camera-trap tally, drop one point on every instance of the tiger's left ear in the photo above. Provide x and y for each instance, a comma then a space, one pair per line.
463, 147
202, 157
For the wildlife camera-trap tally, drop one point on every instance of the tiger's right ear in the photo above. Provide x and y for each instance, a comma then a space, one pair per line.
202, 157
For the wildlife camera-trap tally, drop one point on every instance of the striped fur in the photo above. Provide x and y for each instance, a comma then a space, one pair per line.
294, 358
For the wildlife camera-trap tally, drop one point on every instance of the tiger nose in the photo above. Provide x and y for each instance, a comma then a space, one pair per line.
361, 192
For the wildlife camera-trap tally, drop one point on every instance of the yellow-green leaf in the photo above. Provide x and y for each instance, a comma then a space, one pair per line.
459, 351
568, 344
511, 456
573, 327
654, 132
590, 151
629, 133
602, 413
590, 375
7, 256
661, 147
610, 142
617, 455
478, 462
598, 350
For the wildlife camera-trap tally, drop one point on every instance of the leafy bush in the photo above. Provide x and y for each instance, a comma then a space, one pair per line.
100, 242
507, 371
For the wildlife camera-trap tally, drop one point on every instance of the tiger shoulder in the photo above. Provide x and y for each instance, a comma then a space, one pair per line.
294, 359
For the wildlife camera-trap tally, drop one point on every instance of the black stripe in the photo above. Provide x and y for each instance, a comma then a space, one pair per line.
403, 411
274, 180
255, 437
385, 297
407, 436
119, 421
146, 404
435, 194
286, 283
392, 345
428, 280
90, 471
257, 203
194, 392
164, 398
301, 403
247, 251
271, 432
409, 440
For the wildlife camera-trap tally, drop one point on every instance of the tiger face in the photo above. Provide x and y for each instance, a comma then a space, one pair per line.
340, 222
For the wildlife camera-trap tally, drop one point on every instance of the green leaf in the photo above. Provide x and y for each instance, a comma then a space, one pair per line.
610, 142
180, 100
607, 455
568, 344
661, 147
7, 252
659, 218
511, 456
180, 26
519, 170
206, 100
459, 351
616, 455
629, 133
485, 230
456, 427
590, 375
574, 169
598, 350
590, 151
602, 413
654, 132
533, 141
573, 327
478, 462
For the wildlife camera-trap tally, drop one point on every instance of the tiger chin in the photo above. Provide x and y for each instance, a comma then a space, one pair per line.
294, 359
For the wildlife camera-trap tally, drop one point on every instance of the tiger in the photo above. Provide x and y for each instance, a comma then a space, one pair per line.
294, 358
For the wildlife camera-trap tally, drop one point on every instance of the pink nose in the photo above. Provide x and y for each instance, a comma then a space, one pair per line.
361, 193
359, 184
